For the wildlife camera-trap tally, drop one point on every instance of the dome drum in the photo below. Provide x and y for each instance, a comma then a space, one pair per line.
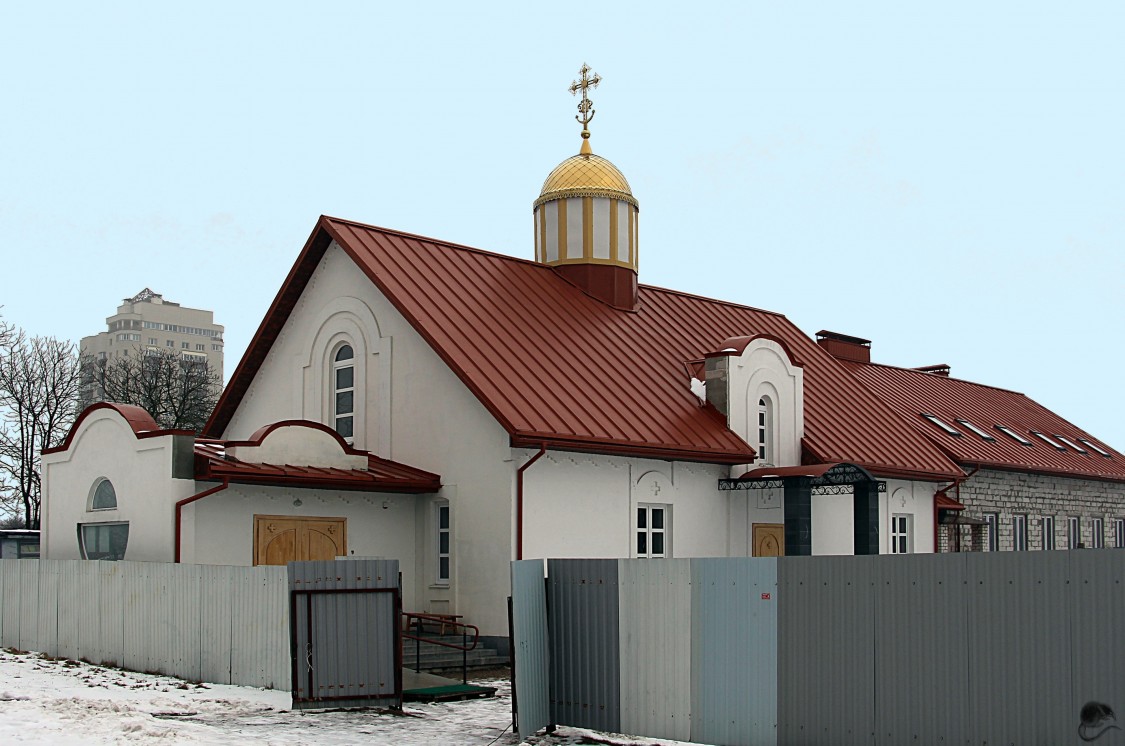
586, 230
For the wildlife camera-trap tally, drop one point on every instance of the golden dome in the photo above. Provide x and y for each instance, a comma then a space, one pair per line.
586, 175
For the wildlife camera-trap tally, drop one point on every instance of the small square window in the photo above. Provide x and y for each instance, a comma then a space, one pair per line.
653, 530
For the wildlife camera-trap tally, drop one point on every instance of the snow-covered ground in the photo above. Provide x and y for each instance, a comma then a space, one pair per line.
45, 701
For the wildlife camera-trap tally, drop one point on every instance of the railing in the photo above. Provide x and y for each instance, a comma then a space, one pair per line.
419, 623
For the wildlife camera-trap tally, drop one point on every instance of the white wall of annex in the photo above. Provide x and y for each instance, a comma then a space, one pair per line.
416, 411
578, 505
216, 528
140, 470
912, 498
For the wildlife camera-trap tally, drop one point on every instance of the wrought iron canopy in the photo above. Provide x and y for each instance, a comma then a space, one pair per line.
825, 479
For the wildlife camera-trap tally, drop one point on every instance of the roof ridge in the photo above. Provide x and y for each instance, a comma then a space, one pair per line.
438, 241
945, 378
716, 301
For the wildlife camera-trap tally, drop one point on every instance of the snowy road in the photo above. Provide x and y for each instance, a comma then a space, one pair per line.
64, 702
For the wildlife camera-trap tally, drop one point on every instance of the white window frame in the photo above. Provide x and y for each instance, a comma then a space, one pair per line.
993, 521
98, 527
336, 367
1073, 532
443, 550
95, 489
902, 533
643, 527
1097, 537
1119, 533
765, 429
1019, 532
1048, 524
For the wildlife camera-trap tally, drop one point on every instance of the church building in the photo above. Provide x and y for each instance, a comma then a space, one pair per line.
455, 409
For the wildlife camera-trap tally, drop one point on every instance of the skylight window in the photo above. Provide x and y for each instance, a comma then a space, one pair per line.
1071, 443
1048, 440
947, 428
970, 426
1013, 435
1095, 446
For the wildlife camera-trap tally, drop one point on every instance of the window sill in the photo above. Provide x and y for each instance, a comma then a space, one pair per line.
439, 586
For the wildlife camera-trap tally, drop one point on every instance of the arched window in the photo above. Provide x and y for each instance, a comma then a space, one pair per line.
343, 391
104, 498
765, 429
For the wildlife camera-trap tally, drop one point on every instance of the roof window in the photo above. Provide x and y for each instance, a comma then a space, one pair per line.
1095, 446
970, 426
1048, 440
1071, 443
947, 428
1013, 435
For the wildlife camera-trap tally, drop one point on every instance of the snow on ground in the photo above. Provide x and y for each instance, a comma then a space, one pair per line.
45, 701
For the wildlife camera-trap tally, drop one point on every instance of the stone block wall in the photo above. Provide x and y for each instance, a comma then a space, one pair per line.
1009, 494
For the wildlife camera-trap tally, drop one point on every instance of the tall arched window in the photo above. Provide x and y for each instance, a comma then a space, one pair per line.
765, 429
343, 391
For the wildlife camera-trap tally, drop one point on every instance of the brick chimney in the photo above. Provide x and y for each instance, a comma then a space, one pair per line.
841, 346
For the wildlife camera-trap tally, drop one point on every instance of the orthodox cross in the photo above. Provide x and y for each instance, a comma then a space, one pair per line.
585, 106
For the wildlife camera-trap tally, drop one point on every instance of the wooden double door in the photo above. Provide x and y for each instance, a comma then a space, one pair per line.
280, 539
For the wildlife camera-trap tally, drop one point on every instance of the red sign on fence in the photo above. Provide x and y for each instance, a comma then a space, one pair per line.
765, 597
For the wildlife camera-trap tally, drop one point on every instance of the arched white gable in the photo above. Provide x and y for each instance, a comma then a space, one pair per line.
764, 371
347, 320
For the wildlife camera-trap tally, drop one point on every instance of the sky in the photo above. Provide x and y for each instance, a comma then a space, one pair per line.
944, 179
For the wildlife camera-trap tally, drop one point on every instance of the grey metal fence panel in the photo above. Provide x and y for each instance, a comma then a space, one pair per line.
29, 604
49, 606
10, 605
346, 643
656, 647
184, 646
921, 671
1096, 603
734, 651
216, 610
137, 619
111, 608
1018, 656
826, 650
78, 606
529, 643
260, 628
585, 643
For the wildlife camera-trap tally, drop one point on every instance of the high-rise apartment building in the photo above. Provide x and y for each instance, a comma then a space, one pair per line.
149, 322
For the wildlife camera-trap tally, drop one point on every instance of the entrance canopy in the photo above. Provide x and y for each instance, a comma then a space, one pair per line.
825, 479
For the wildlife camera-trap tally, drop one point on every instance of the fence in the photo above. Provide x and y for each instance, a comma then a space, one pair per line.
986, 648
227, 625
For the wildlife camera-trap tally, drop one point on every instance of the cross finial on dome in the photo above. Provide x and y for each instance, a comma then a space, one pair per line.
585, 106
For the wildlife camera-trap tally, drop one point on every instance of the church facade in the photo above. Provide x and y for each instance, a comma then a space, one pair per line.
453, 408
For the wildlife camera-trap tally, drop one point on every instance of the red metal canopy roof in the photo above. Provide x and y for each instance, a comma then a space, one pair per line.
555, 366
914, 393
381, 475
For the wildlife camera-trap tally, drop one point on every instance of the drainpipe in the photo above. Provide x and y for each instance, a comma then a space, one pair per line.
955, 484
188, 501
519, 499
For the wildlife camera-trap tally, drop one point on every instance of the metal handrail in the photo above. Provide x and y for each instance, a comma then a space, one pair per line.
413, 619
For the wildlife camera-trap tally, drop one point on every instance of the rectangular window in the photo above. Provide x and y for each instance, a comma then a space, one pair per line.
201, 348
1097, 540
152, 340
1048, 440
947, 428
975, 429
170, 343
1019, 533
993, 521
1013, 435
1095, 446
653, 531
185, 345
902, 533
443, 543
1073, 533
103, 541
1048, 532
1119, 533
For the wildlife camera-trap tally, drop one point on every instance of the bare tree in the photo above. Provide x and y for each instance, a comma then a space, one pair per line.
38, 396
178, 392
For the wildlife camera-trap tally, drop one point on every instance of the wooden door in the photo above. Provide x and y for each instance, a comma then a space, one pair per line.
279, 539
769, 539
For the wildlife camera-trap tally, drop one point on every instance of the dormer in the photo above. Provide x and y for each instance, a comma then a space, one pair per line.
759, 387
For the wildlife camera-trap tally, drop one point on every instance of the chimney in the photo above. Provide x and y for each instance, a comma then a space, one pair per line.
941, 369
843, 347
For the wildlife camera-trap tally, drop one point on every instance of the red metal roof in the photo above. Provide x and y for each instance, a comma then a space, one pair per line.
138, 419
914, 393
557, 367
381, 475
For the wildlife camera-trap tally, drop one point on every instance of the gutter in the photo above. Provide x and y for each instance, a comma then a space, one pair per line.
519, 500
955, 484
190, 500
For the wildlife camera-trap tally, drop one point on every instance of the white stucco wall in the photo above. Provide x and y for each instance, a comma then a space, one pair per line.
912, 498
414, 410
105, 446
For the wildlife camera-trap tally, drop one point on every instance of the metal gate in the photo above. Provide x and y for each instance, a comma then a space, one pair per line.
531, 701
344, 633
